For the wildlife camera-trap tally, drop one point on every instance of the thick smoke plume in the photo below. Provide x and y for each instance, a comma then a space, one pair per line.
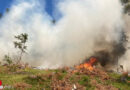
125, 59
87, 28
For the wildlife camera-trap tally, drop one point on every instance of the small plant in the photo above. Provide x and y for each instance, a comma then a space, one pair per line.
8, 59
21, 44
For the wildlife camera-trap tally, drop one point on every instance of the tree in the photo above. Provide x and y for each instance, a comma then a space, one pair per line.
21, 44
1, 15
7, 10
126, 4
127, 8
124, 1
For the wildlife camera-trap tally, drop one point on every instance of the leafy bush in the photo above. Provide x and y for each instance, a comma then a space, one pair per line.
8, 59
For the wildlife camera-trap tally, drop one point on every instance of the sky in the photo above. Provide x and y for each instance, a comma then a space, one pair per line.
4, 4
7, 3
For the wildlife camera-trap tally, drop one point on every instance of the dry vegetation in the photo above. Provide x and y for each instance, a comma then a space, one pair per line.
26, 78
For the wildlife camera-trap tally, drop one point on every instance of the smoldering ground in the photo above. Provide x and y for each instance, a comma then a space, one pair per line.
84, 28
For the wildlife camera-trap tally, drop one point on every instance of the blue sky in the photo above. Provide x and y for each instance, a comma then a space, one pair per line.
4, 4
7, 3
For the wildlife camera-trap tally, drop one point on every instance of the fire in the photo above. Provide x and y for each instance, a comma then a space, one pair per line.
88, 65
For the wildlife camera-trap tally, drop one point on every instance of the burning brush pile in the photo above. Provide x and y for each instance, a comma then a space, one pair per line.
86, 71
88, 75
88, 65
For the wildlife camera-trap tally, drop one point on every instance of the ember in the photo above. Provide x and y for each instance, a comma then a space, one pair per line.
88, 65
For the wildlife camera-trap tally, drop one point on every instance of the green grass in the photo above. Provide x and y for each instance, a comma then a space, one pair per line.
10, 78
117, 82
40, 79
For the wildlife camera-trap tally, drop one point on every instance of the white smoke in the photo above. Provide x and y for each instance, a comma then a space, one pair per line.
86, 26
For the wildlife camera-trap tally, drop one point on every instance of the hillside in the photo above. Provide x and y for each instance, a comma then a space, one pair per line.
16, 78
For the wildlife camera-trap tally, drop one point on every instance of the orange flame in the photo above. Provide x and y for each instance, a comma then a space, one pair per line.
88, 65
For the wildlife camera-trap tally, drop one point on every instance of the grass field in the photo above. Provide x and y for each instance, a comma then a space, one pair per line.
59, 79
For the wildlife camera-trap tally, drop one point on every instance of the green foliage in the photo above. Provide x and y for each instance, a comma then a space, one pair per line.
117, 83
84, 80
125, 1
40, 81
21, 43
22, 40
1, 15
8, 59
126, 4
127, 8
7, 10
